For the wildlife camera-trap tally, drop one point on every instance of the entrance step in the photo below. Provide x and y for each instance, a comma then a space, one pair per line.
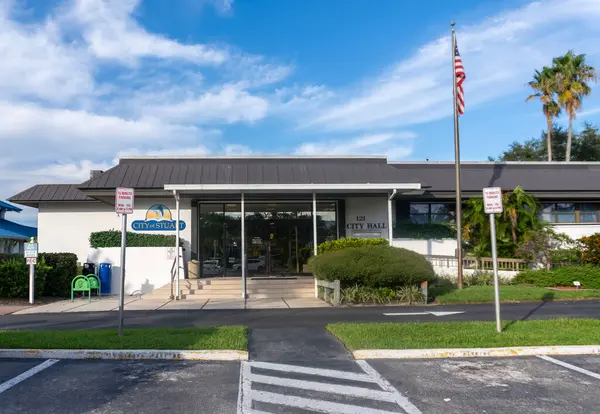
231, 288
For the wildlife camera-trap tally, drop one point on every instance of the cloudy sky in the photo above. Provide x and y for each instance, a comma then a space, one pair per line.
83, 82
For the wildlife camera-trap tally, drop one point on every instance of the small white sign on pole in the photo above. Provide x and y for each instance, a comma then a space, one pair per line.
492, 200
123, 205
124, 200
30, 251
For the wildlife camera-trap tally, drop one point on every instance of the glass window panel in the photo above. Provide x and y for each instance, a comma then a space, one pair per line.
589, 207
565, 217
419, 208
419, 218
440, 208
589, 217
441, 218
548, 217
565, 207
547, 208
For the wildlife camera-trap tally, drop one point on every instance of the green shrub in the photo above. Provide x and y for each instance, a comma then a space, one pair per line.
9, 256
340, 244
373, 266
590, 249
112, 238
479, 278
63, 268
587, 275
14, 278
428, 231
358, 294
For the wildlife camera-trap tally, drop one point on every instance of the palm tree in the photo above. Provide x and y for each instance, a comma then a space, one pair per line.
544, 85
572, 77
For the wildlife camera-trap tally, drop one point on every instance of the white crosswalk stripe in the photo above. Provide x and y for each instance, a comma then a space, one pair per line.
365, 394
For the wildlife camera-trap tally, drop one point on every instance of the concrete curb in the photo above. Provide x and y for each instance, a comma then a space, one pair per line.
476, 352
125, 354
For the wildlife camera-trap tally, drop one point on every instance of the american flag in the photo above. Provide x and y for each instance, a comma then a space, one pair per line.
459, 72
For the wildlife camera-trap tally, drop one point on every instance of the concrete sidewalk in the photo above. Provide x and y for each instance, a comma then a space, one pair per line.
111, 303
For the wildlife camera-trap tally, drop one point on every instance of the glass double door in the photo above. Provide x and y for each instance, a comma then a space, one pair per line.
279, 238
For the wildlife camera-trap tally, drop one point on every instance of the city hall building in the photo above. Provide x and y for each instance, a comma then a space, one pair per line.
274, 211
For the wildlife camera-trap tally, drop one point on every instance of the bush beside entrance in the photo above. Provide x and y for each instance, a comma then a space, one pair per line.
587, 275
373, 266
53, 275
14, 278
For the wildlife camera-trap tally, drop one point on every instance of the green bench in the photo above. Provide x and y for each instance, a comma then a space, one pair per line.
84, 284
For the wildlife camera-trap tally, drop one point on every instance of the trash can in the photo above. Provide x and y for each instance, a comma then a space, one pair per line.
105, 275
89, 269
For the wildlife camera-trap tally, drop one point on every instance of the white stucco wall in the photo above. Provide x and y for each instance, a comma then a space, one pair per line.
442, 247
147, 268
576, 231
66, 227
375, 212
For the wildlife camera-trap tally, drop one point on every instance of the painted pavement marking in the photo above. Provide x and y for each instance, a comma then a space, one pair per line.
423, 313
387, 393
27, 374
570, 366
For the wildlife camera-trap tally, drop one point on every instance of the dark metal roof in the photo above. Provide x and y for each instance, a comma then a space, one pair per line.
532, 176
49, 192
155, 173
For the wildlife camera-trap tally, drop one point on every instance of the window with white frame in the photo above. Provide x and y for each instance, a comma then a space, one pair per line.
426, 213
566, 213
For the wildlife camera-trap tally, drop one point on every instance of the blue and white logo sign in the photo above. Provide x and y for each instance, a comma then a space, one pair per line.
158, 218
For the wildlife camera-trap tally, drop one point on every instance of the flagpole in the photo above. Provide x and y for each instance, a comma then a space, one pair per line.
458, 217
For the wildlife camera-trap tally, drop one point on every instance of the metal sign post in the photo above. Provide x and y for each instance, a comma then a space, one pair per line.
123, 205
492, 202
31, 253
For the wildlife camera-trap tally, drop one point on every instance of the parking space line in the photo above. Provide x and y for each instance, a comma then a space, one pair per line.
319, 386
570, 366
27, 374
401, 400
313, 371
315, 405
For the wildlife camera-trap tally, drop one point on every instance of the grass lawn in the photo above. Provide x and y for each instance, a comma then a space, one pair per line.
466, 334
475, 294
228, 337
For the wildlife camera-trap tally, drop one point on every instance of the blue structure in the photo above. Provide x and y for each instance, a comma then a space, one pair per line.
13, 235
105, 275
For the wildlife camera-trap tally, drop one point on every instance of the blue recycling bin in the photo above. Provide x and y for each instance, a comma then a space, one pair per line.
105, 275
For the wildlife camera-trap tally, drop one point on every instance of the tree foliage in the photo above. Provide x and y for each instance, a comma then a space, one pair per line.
585, 146
562, 86
520, 216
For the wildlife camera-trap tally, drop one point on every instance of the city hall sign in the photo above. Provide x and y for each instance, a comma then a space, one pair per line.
362, 224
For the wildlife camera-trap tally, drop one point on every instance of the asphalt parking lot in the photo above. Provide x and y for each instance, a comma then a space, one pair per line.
475, 385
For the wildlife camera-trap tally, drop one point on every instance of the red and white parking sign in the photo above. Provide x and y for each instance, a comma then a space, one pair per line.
124, 201
492, 200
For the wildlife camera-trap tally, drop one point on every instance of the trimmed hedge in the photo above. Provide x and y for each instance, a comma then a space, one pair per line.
9, 256
373, 266
340, 244
63, 268
112, 238
14, 278
429, 231
587, 275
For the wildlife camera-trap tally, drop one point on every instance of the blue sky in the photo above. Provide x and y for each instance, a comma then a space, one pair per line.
84, 82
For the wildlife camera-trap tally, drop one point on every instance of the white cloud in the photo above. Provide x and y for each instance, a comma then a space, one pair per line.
226, 105
394, 145
499, 56
36, 63
112, 33
237, 149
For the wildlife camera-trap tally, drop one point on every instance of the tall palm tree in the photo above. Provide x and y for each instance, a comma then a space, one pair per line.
544, 85
572, 77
